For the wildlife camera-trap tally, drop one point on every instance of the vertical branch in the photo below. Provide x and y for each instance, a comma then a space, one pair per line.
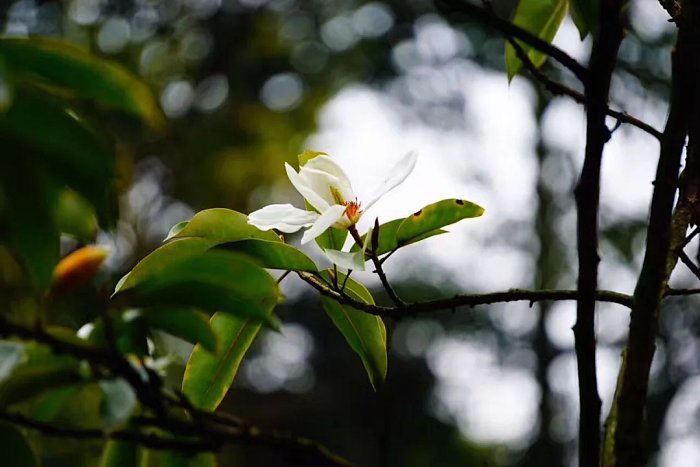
627, 417
597, 86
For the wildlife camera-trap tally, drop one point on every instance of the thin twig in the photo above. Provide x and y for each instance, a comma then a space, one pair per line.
689, 263
559, 89
149, 440
508, 29
378, 268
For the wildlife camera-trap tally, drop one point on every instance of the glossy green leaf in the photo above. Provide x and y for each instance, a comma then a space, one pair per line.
585, 15
15, 449
365, 333
273, 255
75, 217
208, 376
59, 63
435, 216
70, 150
176, 459
119, 454
223, 225
540, 17
213, 281
160, 260
118, 401
387, 237
29, 218
185, 323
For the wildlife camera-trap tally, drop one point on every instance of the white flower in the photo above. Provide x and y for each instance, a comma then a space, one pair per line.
326, 187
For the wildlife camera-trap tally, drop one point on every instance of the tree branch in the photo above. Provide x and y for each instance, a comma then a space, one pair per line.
597, 87
558, 89
508, 29
627, 427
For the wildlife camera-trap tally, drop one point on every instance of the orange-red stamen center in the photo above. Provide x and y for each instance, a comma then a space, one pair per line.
352, 208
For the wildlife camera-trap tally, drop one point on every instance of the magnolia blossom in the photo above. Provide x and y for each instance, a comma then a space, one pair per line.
326, 187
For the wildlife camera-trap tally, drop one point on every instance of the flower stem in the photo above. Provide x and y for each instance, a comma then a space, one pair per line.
378, 268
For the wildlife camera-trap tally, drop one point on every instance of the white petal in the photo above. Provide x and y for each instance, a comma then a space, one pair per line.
328, 165
397, 175
354, 261
306, 191
329, 217
325, 185
284, 217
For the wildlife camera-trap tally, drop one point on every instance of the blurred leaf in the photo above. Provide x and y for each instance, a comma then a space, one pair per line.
15, 449
584, 13
387, 237
273, 255
77, 268
52, 402
119, 454
32, 231
62, 64
223, 225
159, 261
435, 216
185, 323
11, 354
208, 376
118, 402
365, 333
130, 335
540, 17
176, 459
30, 380
71, 151
75, 217
212, 281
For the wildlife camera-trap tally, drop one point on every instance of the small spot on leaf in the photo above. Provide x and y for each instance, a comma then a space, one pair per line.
417, 213
460, 202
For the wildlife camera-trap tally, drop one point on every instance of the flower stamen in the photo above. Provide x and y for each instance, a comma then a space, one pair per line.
352, 210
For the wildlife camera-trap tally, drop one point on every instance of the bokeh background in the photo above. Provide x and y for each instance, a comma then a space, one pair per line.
248, 84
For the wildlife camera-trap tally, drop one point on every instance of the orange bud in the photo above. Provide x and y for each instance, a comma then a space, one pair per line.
77, 268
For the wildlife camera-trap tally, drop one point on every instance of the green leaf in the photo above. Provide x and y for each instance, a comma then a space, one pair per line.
273, 255
585, 16
31, 228
540, 17
333, 239
365, 333
69, 150
50, 404
130, 335
212, 281
59, 63
435, 216
223, 225
387, 237
118, 401
160, 260
30, 380
16, 451
185, 323
176, 459
208, 376
119, 454
75, 216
